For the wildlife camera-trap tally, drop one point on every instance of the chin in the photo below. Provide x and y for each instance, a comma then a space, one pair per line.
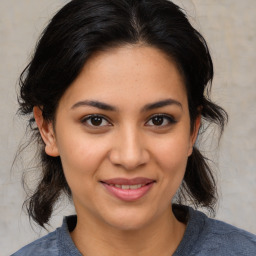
128, 220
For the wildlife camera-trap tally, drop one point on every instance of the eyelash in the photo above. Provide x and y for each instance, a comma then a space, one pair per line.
88, 118
169, 119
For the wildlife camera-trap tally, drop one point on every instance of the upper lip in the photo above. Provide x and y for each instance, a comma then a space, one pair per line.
125, 181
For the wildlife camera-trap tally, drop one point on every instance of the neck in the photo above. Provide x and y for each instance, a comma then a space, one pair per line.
160, 237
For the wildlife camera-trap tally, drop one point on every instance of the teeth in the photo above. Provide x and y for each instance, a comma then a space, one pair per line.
129, 186
125, 186
134, 186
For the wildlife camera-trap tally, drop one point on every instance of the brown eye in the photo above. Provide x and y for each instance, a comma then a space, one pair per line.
95, 121
157, 120
161, 120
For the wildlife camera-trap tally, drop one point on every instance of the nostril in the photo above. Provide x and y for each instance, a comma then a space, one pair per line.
129, 155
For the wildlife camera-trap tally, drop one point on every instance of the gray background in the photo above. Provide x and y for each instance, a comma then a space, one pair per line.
229, 28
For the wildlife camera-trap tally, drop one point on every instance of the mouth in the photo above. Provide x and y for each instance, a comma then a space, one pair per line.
128, 189
128, 186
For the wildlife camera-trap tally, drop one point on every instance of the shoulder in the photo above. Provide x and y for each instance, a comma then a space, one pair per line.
219, 238
230, 234
44, 246
56, 243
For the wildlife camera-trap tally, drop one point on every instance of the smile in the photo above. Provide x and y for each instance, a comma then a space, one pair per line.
128, 186
128, 189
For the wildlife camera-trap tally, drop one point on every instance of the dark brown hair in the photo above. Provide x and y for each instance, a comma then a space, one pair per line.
84, 27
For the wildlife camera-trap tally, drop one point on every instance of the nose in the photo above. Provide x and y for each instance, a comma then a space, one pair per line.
129, 150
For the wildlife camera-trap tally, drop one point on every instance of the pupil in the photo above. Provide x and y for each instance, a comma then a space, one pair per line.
157, 120
96, 121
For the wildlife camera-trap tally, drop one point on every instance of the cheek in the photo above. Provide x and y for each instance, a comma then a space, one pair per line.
172, 155
80, 161
81, 157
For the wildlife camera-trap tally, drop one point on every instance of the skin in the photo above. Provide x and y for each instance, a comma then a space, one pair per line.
126, 144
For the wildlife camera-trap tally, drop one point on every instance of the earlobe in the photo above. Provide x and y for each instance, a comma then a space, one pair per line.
47, 132
194, 134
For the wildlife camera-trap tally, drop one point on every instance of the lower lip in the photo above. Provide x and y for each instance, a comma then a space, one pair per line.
128, 194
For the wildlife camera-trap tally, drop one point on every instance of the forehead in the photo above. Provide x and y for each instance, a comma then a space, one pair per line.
128, 74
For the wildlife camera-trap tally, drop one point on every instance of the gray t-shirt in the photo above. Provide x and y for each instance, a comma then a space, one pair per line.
203, 237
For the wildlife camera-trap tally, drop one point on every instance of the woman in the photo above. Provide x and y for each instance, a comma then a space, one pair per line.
116, 94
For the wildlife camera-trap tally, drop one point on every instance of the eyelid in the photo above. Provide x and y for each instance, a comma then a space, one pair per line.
86, 118
169, 117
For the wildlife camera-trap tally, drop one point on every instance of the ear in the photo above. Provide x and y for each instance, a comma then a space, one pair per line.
194, 134
47, 133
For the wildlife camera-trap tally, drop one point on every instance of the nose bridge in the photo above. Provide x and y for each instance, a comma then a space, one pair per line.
129, 148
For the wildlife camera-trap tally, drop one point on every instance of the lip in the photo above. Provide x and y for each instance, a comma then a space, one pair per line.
124, 181
128, 194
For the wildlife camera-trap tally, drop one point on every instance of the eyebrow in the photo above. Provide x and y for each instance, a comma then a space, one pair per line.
147, 107
160, 104
94, 103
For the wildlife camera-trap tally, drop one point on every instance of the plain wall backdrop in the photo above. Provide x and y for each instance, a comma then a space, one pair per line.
230, 30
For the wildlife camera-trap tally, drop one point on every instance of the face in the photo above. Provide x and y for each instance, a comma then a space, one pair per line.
123, 134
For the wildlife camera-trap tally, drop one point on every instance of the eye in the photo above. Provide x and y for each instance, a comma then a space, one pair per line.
95, 121
160, 120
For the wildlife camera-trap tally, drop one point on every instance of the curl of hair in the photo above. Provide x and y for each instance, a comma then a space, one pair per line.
82, 28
